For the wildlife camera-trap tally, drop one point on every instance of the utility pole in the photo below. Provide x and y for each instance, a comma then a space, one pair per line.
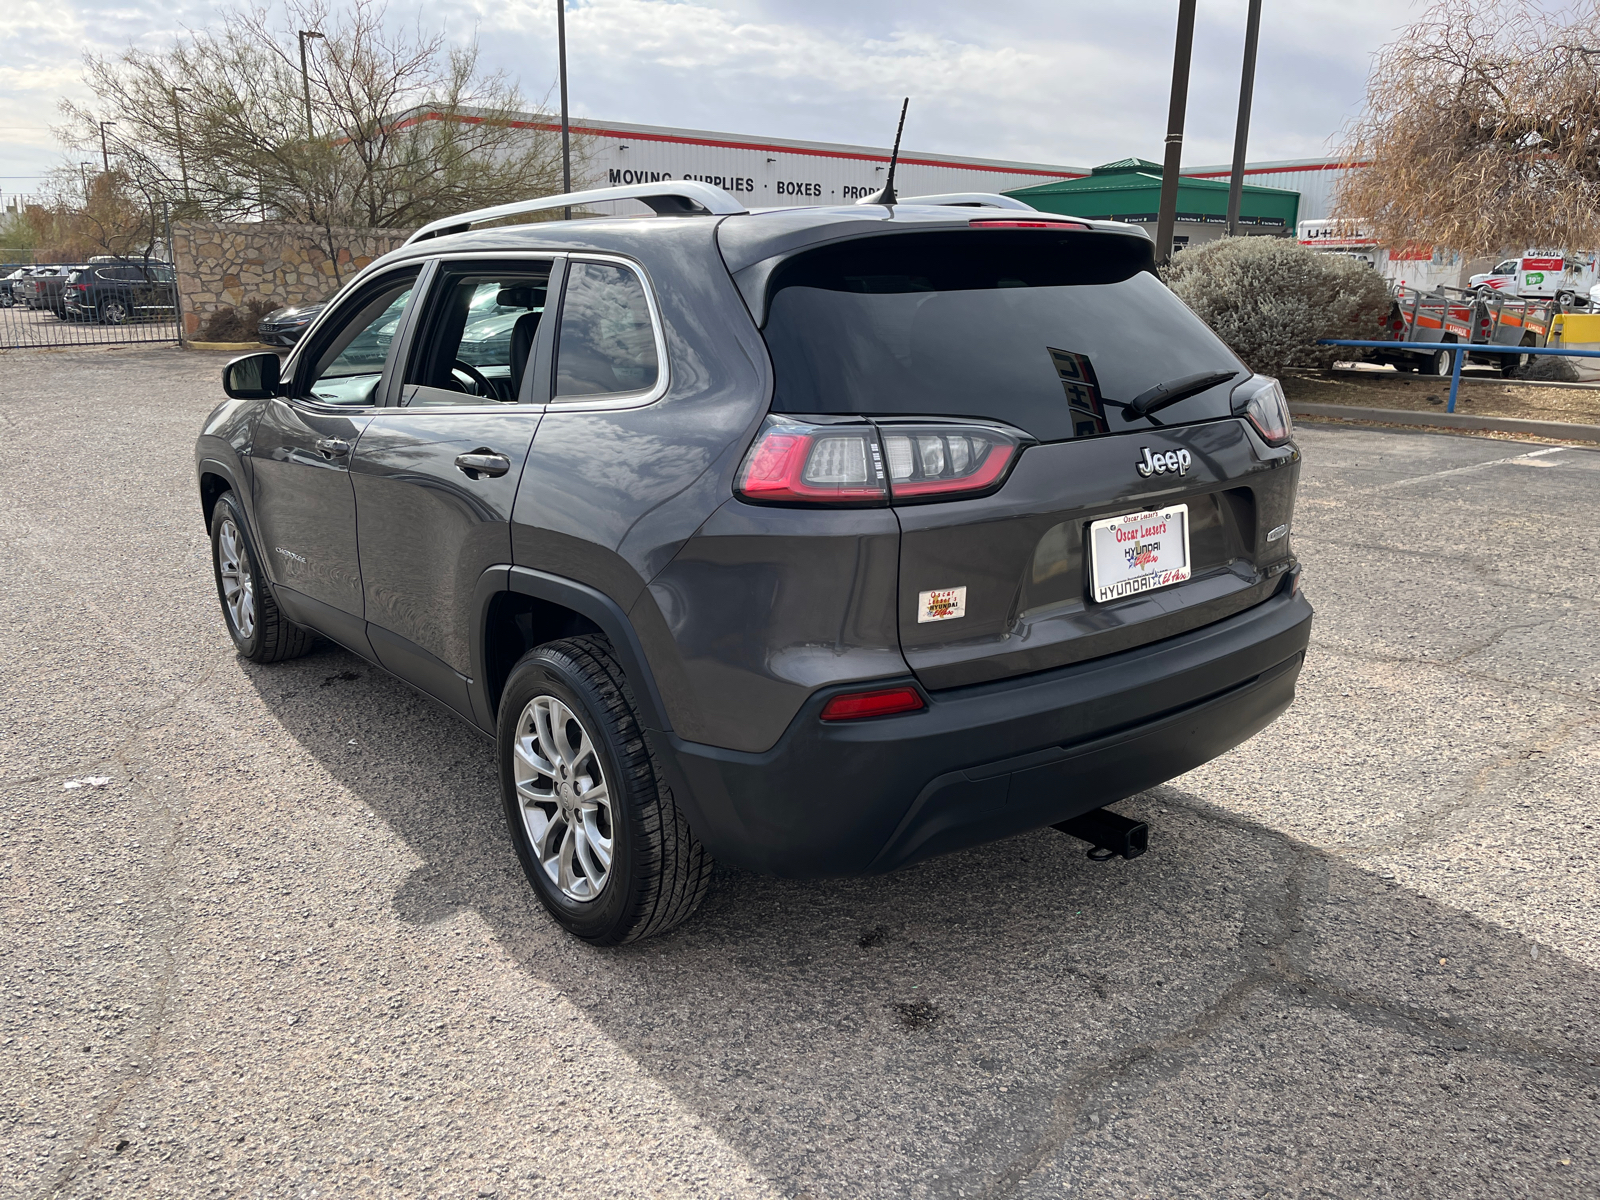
1241, 136
305, 78
1174, 157
566, 135
105, 154
177, 120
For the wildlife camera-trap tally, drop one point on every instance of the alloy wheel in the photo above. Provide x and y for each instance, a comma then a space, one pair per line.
564, 800
114, 312
238, 584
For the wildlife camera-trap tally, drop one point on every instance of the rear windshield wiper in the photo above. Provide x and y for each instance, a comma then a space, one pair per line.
1163, 394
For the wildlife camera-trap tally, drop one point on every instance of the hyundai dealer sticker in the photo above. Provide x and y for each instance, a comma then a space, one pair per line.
941, 604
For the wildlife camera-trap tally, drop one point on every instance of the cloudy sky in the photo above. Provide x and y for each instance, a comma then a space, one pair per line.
1042, 80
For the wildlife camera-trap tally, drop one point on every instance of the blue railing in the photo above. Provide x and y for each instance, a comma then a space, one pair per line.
1456, 352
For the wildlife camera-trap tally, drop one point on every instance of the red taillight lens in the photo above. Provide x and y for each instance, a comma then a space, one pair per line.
792, 463
937, 462
796, 463
1260, 399
1020, 223
854, 706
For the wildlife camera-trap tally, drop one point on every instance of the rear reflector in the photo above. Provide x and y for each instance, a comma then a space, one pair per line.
853, 706
1030, 223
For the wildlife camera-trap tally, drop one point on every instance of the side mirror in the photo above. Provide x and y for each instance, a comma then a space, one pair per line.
252, 377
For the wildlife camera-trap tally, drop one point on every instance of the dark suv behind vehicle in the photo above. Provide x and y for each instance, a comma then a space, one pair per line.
115, 293
819, 540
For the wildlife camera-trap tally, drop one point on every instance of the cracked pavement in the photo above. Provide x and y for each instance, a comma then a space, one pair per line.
285, 949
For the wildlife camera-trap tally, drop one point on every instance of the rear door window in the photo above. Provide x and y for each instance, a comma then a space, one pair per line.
1051, 332
607, 347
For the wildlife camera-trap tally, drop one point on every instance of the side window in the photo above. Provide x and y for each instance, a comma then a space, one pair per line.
349, 367
607, 344
479, 336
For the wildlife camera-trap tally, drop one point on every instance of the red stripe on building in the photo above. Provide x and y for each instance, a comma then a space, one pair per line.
1333, 166
629, 135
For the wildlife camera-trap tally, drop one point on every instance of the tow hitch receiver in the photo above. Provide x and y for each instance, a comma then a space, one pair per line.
1110, 835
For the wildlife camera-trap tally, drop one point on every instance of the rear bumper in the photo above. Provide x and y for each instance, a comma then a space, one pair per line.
991, 760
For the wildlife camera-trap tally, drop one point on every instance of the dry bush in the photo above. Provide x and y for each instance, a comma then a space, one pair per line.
1271, 299
1482, 130
236, 324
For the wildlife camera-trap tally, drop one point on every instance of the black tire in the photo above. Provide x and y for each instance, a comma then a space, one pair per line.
113, 312
271, 637
1436, 363
658, 873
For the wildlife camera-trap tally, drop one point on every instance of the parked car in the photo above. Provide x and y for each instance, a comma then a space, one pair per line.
283, 326
120, 291
8, 282
817, 540
42, 286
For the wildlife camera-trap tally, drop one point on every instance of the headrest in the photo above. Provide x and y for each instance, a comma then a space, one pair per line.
523, 296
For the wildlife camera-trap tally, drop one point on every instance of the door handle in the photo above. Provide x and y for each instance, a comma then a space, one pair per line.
483, 461
332, 447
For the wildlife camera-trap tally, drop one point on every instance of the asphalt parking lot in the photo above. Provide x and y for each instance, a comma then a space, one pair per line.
284, 949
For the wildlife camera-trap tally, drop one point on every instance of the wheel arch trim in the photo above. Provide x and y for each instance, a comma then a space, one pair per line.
582, 599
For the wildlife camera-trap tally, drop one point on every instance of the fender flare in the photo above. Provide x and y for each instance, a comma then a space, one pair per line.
588, 602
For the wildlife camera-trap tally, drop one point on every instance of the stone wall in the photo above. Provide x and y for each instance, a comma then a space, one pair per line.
224, 264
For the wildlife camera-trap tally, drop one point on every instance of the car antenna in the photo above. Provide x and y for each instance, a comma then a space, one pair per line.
886, 195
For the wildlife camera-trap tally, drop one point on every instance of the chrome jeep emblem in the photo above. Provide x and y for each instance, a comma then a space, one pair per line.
1173, 461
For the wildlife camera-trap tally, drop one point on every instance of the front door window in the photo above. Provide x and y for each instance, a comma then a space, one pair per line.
350, 366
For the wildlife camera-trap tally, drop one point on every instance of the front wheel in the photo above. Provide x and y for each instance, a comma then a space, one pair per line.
259, 630
607, 851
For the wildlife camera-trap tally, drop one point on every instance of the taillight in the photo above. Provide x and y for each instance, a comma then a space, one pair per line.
882, 702
1019, 223
1261, 401
938, 462
795, 463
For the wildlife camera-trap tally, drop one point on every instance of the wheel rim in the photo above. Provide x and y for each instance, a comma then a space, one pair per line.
238, 584
115, 312
565, 803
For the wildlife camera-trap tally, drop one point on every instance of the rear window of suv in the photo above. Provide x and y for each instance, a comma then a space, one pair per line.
1049, 332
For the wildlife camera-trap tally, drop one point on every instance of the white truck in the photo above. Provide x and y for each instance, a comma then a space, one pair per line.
1542, 275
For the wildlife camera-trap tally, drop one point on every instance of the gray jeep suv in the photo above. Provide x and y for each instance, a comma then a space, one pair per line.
816, 540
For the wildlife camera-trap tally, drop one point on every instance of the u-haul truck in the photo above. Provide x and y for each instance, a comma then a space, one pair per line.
1421, 267
1542, 275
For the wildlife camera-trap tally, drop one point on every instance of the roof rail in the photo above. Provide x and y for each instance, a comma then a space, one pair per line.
970, 200
670, 196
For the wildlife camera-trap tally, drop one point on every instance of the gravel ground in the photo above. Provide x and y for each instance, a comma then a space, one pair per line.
1481, 394
285, 949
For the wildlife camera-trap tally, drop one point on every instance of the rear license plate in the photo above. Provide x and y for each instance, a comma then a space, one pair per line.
1139, 552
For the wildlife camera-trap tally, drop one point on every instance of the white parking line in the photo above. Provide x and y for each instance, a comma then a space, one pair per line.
1494, 462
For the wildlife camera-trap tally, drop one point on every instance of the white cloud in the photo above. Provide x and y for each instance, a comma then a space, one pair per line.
1030, 79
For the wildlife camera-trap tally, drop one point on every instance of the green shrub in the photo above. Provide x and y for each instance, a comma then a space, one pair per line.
1271, 298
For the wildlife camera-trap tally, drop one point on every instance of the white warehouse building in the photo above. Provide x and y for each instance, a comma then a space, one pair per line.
771, 172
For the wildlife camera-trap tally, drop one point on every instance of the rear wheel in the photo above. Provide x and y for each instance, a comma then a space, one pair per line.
601, 841
259, 630
1437, 362
113, 312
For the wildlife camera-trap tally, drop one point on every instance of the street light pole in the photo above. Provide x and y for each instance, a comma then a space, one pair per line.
1173, 162
305, 78
1241, 136
105, 154
177, 121
566, 135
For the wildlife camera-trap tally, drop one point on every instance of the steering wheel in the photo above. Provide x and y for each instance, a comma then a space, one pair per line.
479, 379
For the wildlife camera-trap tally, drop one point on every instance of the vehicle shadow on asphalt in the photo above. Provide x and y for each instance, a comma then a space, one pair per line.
1232, 1010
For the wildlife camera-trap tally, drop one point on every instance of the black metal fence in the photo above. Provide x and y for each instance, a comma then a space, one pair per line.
106, 301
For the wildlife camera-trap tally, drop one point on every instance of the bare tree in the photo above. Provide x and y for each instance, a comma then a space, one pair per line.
404, 127
1482, 130
81, 215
